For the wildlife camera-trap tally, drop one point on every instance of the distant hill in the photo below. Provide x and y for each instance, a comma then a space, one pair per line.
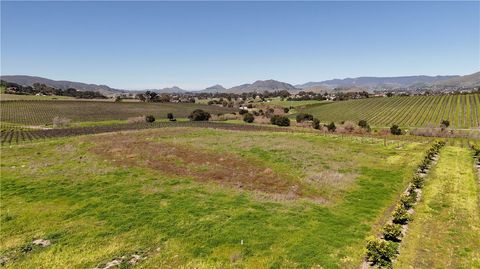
378, 82
61, 84
173, 89
214, 89
472, 80
263, 85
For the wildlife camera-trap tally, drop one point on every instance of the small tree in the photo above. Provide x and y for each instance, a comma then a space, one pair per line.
364, 125
286, 110
395, 130
150, 118
248, 118
444, 124
331, 127
280, 120
316, 123
199, 115
170, 117
303, 117
242, 111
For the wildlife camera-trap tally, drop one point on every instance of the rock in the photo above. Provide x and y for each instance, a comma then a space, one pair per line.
3, 261
42, 242
268, 171
135, 258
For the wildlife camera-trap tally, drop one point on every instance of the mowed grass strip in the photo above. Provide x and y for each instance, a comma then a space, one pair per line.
95, 207
445, 232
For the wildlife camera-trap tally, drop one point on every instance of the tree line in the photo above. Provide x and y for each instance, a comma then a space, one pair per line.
42, 89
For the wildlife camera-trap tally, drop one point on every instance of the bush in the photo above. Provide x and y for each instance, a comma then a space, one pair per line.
316, 123
149, 118
242, 111
381, 252
407, 200
303, 117
392, 232
170, 116
445, 124
248, 118
286, 110
395, 130
418, 181
280, 120
199, 115
400, 215
363, 123
331, 127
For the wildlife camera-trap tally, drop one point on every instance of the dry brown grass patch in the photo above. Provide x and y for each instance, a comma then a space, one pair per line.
186, 161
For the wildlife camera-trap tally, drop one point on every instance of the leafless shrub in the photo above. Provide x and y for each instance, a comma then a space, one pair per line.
224, 117
60, 122
139, 119
350, 127
262, 120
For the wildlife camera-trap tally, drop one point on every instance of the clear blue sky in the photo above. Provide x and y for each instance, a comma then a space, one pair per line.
135, 45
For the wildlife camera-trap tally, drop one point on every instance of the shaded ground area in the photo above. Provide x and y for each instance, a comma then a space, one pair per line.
445, 232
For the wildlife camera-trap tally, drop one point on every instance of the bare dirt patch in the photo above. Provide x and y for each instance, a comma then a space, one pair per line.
187, 161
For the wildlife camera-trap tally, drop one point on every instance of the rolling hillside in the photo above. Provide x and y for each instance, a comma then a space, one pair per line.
60, 84
463, 111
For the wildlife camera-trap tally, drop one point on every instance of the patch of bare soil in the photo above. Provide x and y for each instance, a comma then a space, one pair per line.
181, 160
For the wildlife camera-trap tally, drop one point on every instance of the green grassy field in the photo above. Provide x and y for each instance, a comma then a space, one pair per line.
295, 104
445, 232
188, 198
43, 112
463, 111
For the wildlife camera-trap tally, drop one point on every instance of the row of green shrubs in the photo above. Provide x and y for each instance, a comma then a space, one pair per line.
382, 252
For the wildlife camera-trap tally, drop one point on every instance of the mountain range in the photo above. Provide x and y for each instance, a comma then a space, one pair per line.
379, 82
360, 83
60, 84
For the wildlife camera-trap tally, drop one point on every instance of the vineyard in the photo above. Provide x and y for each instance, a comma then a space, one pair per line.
19, 135
42, 112
463, 111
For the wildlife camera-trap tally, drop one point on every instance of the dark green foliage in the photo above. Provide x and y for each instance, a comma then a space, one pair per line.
400, 215
363, 123
316, 123
304, 117
395, 130
445, 123
248, 118
392, 232
407, 200
286, 110
199, 115
381, 252
149, 118
331, 127
280, 120
242, 111
170, 116
418, 181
